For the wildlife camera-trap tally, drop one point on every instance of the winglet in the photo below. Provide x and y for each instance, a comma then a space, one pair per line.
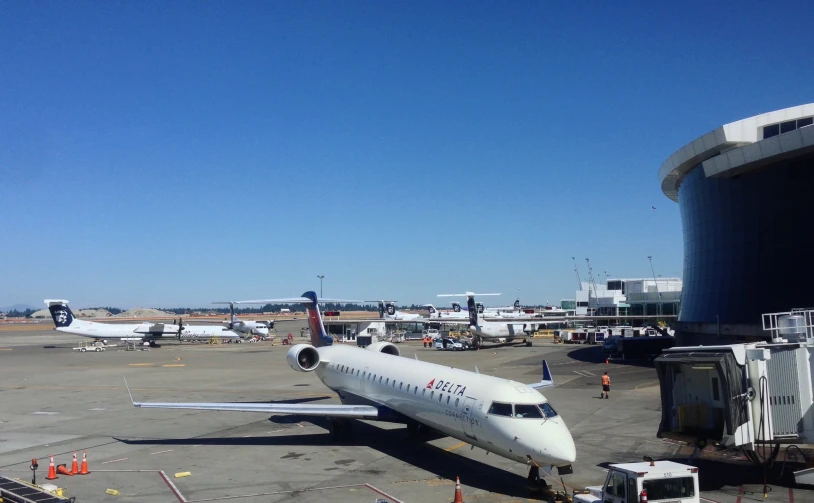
128, 392
547, 381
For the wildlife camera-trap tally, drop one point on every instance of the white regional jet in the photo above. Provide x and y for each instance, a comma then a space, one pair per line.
483, 330
507, 418
247, 327
147, 333
387, 311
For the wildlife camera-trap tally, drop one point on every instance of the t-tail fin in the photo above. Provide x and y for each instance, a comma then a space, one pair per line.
432, 311
473, 311
517, 304
390, 308
456, 307
60, 312
318, 336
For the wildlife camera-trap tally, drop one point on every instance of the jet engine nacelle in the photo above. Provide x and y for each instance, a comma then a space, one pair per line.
383, 347
302, 357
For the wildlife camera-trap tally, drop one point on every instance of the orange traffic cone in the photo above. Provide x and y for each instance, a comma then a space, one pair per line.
52, 474
84, 470
459, 496
63, 470
74, 465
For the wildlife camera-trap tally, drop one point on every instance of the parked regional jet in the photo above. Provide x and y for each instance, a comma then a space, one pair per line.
493, 331
143, 332
454, 315
387, 311
247, 327
508, 418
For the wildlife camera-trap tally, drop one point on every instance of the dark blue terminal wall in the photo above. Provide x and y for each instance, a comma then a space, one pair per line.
748, 242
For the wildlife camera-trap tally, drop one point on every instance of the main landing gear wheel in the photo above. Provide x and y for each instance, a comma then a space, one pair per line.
528, 342
535, 482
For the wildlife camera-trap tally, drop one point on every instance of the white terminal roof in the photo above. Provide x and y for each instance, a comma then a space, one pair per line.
737, 147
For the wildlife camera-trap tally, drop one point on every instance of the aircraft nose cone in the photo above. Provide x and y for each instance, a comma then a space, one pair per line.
565, 451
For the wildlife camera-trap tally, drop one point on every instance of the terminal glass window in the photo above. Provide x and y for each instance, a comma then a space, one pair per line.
527, 412
501, 409
785, 127
548, 410
670, 489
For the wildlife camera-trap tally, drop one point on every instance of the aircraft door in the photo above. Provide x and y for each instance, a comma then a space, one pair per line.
467, 417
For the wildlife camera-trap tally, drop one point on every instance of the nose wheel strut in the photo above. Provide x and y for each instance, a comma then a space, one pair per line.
535, 481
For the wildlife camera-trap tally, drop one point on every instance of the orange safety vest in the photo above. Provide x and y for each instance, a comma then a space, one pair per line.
605, 381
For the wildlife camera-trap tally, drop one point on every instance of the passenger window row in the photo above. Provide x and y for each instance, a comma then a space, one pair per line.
392, 383
522, 411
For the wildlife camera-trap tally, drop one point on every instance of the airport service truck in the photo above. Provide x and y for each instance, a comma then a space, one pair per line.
646, 481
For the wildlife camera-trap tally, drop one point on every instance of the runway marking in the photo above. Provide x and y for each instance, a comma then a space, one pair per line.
584, 372
114, 461
301, 426
175, 365
456, 447
43, 413
140, 364
246, 436
197, 445
161, 452
6, 349
274, 431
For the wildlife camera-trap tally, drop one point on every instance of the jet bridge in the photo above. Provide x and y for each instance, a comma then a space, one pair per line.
752, 396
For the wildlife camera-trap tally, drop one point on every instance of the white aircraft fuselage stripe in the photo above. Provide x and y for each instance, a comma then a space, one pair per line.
452, 401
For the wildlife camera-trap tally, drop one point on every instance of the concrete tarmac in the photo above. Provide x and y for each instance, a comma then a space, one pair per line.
55, 401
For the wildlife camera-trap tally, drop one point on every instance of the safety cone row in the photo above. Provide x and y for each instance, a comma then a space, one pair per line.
459, 496
63, 469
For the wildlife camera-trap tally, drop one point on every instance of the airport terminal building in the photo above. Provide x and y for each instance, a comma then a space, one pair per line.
744, 193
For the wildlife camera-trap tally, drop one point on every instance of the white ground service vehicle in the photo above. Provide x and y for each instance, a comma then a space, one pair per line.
90, 346
662, 481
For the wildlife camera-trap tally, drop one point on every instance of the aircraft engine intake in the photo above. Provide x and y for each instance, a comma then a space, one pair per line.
303, 357
384, 347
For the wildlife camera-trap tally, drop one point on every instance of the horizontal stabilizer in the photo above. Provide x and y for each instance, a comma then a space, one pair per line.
547, 381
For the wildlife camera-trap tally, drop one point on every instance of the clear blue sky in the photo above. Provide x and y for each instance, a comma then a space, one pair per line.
176, 153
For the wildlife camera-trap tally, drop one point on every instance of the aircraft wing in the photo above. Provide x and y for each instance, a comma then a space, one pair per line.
301, 409
546, 382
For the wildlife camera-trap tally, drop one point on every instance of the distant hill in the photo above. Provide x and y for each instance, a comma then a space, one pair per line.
17, 307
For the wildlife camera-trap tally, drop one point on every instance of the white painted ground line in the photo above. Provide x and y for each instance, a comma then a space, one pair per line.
161, 452
114, 461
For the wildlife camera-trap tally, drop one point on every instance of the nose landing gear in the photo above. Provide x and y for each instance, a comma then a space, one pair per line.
535, 482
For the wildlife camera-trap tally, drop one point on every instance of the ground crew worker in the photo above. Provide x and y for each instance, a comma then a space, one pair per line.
605, 386
425, 341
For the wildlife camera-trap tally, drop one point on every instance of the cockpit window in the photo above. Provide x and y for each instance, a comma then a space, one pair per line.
501, 409
527, 412
548, 410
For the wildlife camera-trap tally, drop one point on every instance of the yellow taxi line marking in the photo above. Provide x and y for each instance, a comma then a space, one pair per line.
139, 364
175, 365
6, 349
455, 447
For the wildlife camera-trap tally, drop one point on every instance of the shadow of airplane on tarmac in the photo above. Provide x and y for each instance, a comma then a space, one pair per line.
595, 354
390, 442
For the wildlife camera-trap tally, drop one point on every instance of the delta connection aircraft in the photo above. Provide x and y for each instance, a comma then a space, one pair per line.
147, 333
507, 418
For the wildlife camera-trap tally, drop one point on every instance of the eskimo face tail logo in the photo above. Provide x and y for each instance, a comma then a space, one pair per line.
456, 307
517, 304
391, 309
61, 314
432, 310
480, 307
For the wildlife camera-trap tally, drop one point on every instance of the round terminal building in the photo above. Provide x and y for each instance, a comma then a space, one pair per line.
744, 193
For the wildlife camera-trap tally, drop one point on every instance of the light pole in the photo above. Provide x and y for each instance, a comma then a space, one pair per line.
321, 277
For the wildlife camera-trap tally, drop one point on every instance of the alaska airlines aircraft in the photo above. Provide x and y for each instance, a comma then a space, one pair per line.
143, 332
387, 311
246, 326
507, 418
454, 315
490, 331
